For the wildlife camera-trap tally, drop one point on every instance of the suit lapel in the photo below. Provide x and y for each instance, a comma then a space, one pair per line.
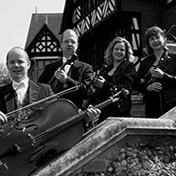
74, 70
10, 95
10, 98
33, 92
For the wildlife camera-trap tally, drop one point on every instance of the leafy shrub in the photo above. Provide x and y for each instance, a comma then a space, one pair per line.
4, 75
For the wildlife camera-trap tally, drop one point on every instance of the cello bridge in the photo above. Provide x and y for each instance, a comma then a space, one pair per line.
33, 140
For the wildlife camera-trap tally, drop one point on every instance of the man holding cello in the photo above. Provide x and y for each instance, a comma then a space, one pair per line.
15, 96
22, 91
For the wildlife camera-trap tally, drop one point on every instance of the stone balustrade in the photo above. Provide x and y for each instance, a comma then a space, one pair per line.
121, 147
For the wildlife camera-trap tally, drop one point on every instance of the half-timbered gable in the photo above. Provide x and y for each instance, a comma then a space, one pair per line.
45, 43
42, 42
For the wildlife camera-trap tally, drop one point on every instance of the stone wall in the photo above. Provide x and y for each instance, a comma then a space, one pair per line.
134, 158
120, 147
138, 105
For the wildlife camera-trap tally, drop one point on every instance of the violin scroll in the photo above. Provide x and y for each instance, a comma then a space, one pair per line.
171, 47
69, 61
118, 94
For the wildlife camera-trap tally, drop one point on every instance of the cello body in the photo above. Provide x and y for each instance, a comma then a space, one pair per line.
29, 144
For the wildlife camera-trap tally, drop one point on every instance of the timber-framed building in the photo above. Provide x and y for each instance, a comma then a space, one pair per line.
97, 22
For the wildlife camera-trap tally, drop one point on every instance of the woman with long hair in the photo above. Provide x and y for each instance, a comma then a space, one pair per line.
119, 73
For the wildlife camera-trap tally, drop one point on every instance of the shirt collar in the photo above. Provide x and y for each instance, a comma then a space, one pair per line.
64, 59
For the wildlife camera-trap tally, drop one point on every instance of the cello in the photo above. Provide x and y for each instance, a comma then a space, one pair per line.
56, 127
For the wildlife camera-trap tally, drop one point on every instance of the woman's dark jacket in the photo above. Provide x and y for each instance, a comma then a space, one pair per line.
123, 77
167, 95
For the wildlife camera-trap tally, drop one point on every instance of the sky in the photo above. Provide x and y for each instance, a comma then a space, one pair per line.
15, 18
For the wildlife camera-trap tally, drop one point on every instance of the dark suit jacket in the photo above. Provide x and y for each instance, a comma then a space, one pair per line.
80, 72
8, 95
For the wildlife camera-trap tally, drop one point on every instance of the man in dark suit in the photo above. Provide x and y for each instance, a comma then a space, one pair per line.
15, 96
23, 91
74, 73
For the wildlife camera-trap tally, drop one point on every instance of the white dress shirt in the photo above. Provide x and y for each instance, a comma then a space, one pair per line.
67, 67
21, 88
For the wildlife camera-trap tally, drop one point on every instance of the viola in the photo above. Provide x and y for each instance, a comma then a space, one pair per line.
54, 129
53, 81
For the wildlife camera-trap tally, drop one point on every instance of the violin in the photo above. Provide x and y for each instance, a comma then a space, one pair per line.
53, 81
33, 143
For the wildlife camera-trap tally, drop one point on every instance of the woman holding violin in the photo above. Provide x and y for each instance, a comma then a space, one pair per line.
156, 76
117, 72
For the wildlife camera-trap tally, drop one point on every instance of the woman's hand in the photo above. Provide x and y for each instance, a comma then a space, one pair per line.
156, 86
157, 73
3, 118
99, 81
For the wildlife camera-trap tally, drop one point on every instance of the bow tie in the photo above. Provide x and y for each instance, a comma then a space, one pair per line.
17, 85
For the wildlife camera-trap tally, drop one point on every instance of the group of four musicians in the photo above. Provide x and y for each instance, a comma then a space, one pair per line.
155, 78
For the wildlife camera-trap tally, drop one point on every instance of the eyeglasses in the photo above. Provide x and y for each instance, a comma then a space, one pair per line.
69, 41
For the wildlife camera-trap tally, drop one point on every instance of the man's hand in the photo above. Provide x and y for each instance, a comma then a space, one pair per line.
61, 75
93, 114
3, 118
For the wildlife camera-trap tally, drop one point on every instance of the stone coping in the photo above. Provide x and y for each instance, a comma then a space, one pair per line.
170, 114
101, 138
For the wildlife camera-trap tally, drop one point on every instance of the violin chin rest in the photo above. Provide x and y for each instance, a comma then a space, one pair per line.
171, 47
